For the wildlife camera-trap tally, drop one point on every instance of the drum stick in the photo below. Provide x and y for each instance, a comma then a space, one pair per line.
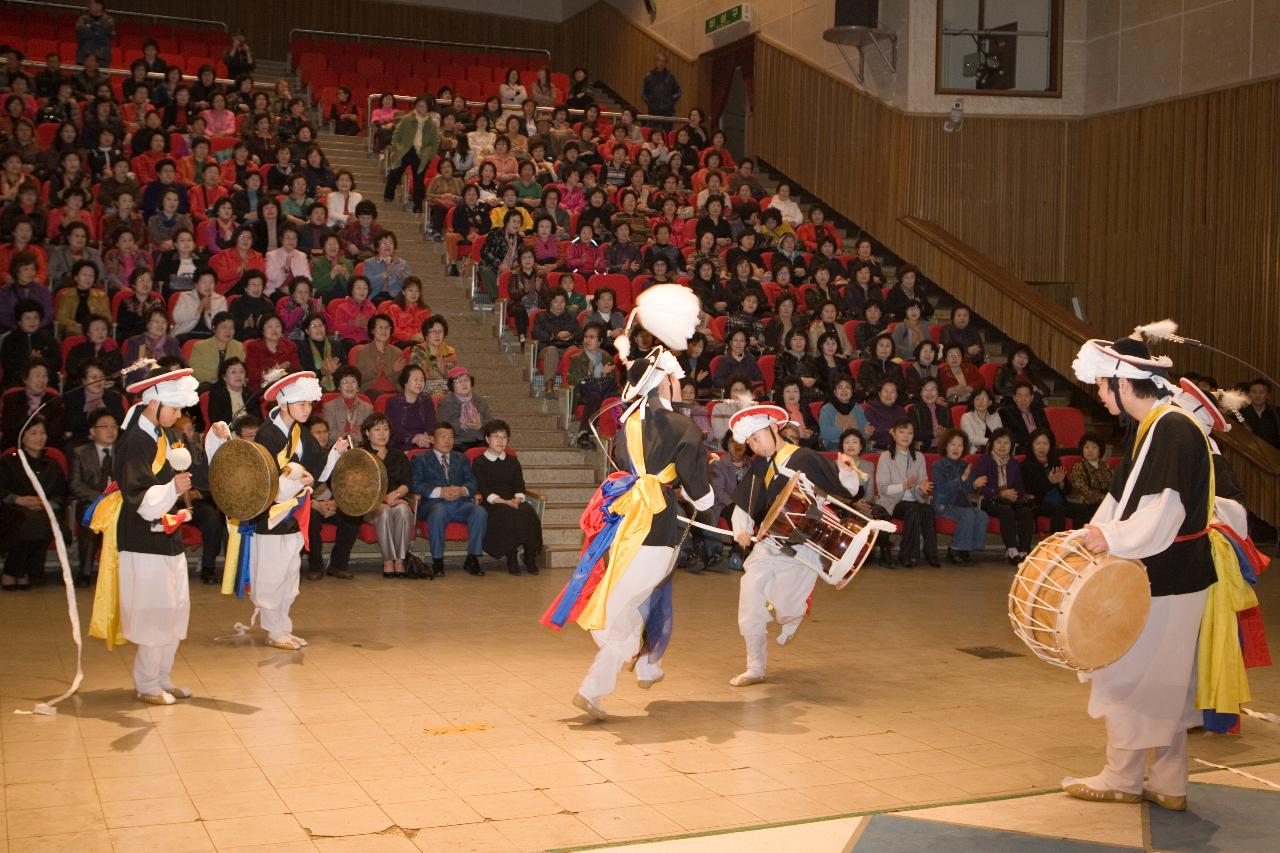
700, 525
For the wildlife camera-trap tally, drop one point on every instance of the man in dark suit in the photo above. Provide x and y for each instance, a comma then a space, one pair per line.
1262, 419
442, 476
90, 473
1022, 418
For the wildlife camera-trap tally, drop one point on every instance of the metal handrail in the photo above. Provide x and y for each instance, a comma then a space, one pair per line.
424, 42
79, 10
369, 101
124, 72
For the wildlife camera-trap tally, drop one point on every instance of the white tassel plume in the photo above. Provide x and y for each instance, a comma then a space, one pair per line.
1160, 330
1233, 402
274, 375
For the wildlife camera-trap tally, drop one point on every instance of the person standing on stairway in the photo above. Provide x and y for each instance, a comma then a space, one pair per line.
413, 146
661, 90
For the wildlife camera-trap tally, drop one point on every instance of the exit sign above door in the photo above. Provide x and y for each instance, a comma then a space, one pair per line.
733, 15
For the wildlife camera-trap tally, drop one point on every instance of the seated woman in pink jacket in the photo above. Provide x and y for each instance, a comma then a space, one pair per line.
583, 255
351, 316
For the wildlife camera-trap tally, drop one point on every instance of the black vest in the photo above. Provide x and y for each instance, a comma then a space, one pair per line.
133, 456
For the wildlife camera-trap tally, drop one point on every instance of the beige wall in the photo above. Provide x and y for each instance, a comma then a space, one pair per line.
1139, 51
797, 26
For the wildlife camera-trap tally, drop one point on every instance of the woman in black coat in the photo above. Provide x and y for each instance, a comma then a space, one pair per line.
21, 512
513, 522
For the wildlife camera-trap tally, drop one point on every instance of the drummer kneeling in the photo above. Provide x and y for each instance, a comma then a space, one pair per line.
772, 577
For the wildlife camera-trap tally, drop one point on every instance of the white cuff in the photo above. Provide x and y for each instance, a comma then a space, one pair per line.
212, 443
435, 493
493, 498
287, 488
329, 463
157, 500
703, 503
741, 521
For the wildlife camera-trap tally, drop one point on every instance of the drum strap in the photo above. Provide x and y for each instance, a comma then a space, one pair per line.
778, 461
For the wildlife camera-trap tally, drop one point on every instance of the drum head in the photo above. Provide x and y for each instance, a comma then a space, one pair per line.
1105, 613
359, 482
243, 478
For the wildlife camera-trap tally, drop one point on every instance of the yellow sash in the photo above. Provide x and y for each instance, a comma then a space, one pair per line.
637, 507
780, 458
1221, 682
104, 620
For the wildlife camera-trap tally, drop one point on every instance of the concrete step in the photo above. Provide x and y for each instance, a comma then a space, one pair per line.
561, 534
536, 439
568, 493
552, 475
562, 456
523, 419
562, 556
561, 512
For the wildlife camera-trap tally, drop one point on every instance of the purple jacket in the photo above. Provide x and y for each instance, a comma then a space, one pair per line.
11, 293
883, 418
985, 466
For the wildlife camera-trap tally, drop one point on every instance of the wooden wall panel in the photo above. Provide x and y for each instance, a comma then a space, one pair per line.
998, 183
1179, 216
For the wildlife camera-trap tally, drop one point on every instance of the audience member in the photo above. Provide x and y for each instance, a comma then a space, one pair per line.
930, 417
1021, 418
442, 477
412, 412
97, 345
91, 392
1090, 479
464, 409
955, 498
904, 489
394, 520
319, 351
514, 524
1003, 496
378, 360
1262, 418
91, 471
22, 512
27, 343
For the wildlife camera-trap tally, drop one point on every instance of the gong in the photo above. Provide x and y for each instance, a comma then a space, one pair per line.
359, 482
243, 478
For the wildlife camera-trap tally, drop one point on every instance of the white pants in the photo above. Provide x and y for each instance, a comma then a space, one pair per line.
770, 577
273, 580
1147, 699
155, 606
619, 640
152, 667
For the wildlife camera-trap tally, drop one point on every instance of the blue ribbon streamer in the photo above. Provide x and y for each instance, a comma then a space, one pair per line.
88, 513
246, 530
598, 547
658, 621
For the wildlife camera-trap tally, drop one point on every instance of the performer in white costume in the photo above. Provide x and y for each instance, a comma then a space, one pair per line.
276, 541
150, 468
1159, 511
776, 585
621, 591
